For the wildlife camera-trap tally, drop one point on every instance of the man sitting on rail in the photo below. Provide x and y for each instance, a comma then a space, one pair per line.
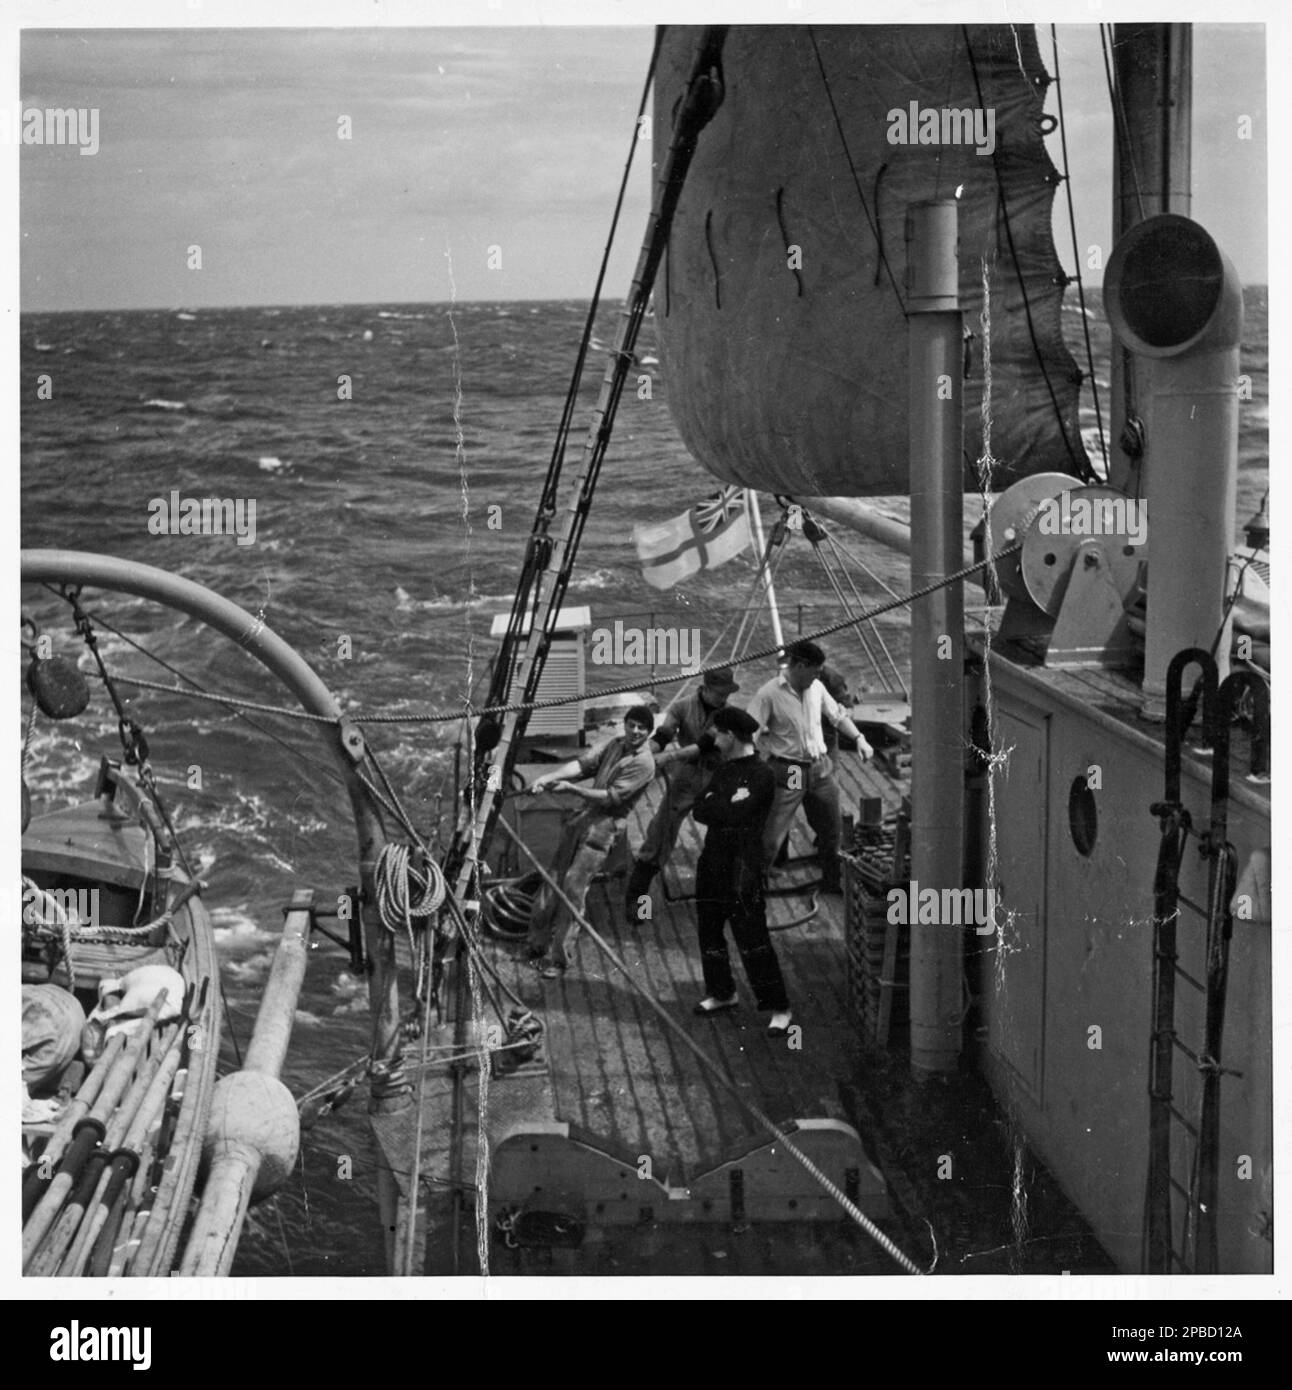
621, 770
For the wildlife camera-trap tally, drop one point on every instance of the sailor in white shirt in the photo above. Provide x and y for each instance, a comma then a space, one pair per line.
789, 709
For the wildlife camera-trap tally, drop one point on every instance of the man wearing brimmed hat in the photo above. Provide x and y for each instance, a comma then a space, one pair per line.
689, 764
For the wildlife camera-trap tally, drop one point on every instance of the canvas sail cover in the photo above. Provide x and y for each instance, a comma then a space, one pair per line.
788, 372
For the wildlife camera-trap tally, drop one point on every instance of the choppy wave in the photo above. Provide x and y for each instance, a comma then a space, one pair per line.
360, 536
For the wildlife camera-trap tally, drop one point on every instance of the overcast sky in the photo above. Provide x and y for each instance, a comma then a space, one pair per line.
462, 139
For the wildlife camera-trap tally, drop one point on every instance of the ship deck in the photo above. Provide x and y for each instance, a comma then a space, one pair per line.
1116, 697
618, 1077
617, 1071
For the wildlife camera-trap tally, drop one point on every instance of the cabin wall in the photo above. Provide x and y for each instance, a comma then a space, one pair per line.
1074, 955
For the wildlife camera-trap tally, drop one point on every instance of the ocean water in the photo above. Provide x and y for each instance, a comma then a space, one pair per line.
374, 556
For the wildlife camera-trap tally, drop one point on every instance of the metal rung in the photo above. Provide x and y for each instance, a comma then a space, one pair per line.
1188, 1051
1197, 907
1184, 974
1179, 1259
1185, 1122
1183, 1191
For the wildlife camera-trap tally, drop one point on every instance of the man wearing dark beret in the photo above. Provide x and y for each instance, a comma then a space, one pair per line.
729, 875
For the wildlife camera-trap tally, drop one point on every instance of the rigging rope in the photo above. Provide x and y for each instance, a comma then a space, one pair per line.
624, 688
26, 742
1119, 119
1085, 473
844, 603
850, 1207
1076, 255
313, 765
540, 542
840, 552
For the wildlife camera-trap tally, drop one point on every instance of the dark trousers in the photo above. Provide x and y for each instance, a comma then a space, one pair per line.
748, 918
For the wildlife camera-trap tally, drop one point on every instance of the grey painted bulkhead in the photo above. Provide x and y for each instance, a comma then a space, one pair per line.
1074, 953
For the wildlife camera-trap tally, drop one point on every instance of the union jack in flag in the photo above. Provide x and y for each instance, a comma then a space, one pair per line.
719, 509
708, 535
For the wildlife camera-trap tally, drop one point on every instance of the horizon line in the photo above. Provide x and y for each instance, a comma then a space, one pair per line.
384, 303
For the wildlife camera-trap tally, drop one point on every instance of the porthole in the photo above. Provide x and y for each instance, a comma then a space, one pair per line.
1083, 817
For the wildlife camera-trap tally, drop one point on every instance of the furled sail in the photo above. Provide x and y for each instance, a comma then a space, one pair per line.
780, 307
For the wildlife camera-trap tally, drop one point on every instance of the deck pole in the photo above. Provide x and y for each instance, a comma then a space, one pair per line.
760, 546
254, 1134
937, 625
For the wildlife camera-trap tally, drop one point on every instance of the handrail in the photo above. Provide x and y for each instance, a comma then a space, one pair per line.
344, 740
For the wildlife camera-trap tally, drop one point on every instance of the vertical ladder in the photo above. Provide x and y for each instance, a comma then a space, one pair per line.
1199, 1133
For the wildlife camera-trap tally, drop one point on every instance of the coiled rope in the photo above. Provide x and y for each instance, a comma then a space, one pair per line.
404, 893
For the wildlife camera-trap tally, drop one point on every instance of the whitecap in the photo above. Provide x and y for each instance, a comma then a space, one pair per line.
160, 403
595, 579
250, 971
347, 986
268, 463
188, 318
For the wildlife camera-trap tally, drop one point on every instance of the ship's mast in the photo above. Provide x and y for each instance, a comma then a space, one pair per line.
937, 623
1152, 174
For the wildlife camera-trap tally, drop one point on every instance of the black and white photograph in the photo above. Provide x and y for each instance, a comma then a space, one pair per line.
644, 651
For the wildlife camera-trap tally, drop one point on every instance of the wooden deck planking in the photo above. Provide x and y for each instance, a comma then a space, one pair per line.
674, 922
618, 1073
612, 1070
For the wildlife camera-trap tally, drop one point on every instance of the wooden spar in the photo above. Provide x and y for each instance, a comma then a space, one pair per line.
240, 1146
760, 547
128, 1215
65, 1128
343, 739
866, 521
69, 1231
937, 672
125, 1161
142, 1195
89, 1132
273, 1032
154, 1251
